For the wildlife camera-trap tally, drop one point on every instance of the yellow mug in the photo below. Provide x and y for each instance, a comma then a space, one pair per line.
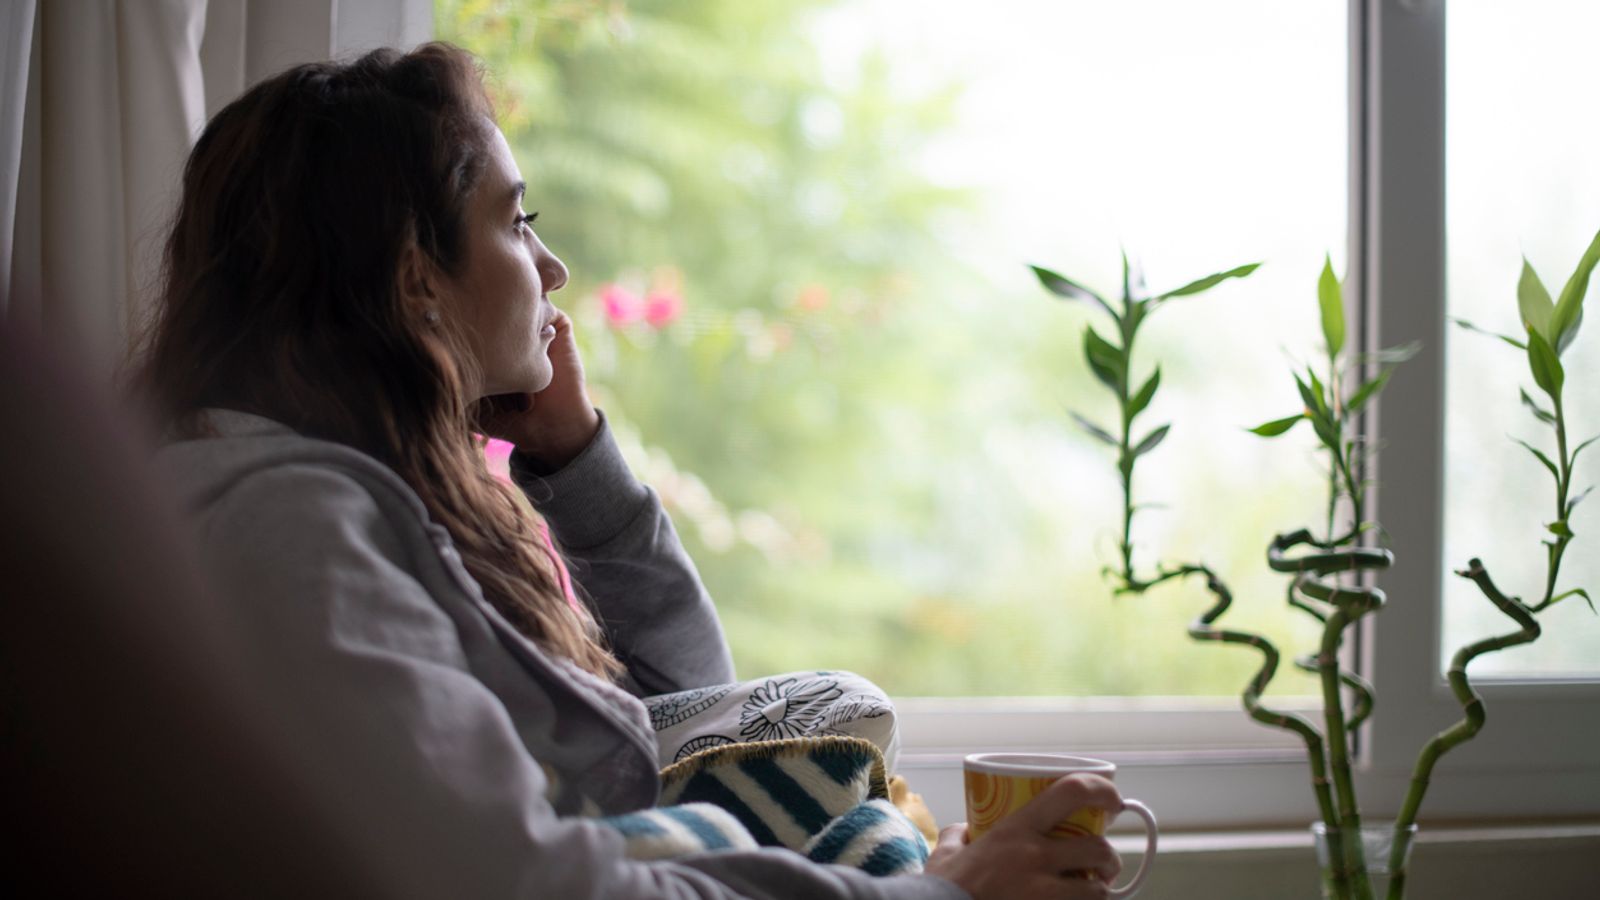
998, 784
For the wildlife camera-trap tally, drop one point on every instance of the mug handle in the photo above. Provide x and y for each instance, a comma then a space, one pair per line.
1149, 818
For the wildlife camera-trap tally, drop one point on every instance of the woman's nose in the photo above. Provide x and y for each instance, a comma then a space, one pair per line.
552, 271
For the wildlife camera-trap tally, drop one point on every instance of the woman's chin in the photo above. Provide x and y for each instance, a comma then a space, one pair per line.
540, 382
536, 381
531, 381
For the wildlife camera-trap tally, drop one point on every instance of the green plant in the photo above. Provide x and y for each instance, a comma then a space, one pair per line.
1551, 327
1112, 363
1322, 569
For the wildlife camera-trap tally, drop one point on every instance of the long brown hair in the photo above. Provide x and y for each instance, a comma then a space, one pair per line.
280, 296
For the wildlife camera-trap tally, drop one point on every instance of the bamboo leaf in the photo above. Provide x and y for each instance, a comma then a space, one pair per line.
1136, 313
1580, 592
1569, 308
1132, 278
1062, 286
1573, 503
1542, 458
1330, 296
1392, 355
1312, 401
1277, 426
1533, 302
1538, 411
1151, 440
1568, 332
1510, 340
1145, 395
1317, 390
1093, 429
1574, 458
1326, 431
1104, 359
1368, 391
1210, 281
1559, 528
1547, 372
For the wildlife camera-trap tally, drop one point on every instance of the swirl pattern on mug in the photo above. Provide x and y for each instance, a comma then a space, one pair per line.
992, 797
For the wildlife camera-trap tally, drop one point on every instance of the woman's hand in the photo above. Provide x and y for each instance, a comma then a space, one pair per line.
554, 425
1015, 858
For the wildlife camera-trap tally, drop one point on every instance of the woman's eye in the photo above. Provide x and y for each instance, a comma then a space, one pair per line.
526, 220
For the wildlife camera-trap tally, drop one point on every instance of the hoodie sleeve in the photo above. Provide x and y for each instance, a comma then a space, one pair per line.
419, 764
627, 558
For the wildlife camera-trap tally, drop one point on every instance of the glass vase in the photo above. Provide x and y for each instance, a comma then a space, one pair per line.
1370, 868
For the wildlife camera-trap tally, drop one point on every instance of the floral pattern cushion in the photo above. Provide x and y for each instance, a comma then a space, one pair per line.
780, 707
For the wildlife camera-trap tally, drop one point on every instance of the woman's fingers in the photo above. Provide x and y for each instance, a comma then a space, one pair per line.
1021, 866
564, 348
555, 424
1084, 854
952, 837
1080, 889
1055, 803
1074, 889
1072, 858
1017, 859
1067, 796
504, 404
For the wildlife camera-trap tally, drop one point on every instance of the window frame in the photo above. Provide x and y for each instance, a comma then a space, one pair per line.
1207, 765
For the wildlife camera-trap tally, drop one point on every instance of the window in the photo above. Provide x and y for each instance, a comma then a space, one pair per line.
1503, 772
798, 256
801, 276
1514, 188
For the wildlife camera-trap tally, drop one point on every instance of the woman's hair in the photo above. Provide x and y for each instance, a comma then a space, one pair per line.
280, 295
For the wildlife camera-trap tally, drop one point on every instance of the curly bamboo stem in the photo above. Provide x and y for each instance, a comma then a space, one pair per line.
1360, 687
1203, 629
1349, 604
1471, 703
1472, 706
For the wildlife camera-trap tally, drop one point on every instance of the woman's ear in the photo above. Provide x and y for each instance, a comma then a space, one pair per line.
418, 280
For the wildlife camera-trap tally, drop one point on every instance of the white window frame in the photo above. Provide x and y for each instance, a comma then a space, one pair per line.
1203, 763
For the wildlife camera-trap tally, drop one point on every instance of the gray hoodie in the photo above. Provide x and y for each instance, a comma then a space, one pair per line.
358, 609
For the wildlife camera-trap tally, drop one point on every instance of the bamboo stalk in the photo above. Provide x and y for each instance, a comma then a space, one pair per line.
1203, 629
1471, 704
1474, 713
1349, 605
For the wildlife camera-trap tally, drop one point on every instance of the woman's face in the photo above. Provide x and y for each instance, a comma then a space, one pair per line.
500, 294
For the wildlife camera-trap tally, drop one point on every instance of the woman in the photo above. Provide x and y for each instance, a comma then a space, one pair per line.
351, 290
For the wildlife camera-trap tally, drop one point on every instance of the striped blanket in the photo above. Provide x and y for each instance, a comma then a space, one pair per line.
824, 797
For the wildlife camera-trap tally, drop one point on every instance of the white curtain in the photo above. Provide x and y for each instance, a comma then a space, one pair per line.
101, 101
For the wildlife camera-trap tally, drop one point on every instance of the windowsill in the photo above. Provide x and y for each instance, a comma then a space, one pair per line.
1525, 859
911, 760
1298, 841
1230, 792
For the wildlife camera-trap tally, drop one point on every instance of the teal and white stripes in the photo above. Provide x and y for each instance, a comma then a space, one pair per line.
824, 797
874, 837
665, 832
784, 792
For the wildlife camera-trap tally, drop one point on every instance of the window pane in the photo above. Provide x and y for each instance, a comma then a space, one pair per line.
854, 394
1522, 180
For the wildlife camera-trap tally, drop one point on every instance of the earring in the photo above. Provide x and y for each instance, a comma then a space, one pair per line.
431, 317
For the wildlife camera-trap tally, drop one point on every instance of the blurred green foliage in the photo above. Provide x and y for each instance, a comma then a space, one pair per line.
823, 388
